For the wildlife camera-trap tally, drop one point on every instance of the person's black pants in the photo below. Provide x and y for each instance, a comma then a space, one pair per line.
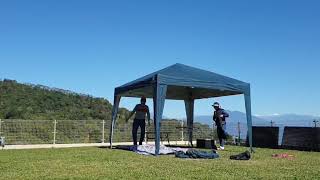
136, 124
222, 134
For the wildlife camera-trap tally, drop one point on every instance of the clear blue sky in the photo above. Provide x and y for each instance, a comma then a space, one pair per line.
93, 46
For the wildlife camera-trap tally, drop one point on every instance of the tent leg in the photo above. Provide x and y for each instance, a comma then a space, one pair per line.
189, 105
114, 117
249, 117
159, 97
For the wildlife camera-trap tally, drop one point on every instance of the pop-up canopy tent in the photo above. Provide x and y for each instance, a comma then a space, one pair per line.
181, 82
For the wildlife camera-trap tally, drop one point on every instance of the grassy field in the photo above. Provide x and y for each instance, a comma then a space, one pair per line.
98, 163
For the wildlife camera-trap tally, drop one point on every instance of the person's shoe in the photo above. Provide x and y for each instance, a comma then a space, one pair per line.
140, 143
221, 148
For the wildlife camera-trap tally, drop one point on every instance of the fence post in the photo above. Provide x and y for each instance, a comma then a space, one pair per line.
0, 128
315, 123
239, 133
103, 123
54, 131
213, 130
182, 129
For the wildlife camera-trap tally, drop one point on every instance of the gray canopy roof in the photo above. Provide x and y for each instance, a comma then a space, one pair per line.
184, 81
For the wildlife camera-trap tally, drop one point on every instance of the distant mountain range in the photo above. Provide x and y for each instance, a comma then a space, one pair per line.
277, 120
235, 117
291, 119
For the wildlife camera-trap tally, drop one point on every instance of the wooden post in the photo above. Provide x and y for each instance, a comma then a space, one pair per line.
182, 129
239, 133
315, 123
103, 123
271, 123
0, 127
54, 131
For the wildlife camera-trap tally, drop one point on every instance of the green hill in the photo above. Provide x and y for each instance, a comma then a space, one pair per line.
28, 101
20, 102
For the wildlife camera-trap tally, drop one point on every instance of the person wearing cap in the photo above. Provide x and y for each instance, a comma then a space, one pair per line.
219, 118
141, 111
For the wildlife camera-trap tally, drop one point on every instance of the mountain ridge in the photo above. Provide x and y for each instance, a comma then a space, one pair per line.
289, 119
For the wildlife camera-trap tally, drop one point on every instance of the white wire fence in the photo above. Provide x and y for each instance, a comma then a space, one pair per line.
25, 132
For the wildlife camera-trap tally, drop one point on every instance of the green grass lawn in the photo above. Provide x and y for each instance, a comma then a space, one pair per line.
97, 163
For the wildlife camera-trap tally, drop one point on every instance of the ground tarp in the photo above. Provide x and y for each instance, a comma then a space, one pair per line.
149, 149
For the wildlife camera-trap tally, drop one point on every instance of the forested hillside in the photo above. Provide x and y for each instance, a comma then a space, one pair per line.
27, 101
37, 102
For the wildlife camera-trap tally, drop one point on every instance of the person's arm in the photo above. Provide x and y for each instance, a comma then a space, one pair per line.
148, 116
131, 114
225, 114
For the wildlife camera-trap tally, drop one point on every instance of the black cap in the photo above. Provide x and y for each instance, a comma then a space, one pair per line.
216, 104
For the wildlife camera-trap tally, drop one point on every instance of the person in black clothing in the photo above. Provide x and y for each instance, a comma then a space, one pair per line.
141, 111
219, 118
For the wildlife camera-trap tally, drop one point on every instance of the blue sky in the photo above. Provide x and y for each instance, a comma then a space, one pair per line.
93, 46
